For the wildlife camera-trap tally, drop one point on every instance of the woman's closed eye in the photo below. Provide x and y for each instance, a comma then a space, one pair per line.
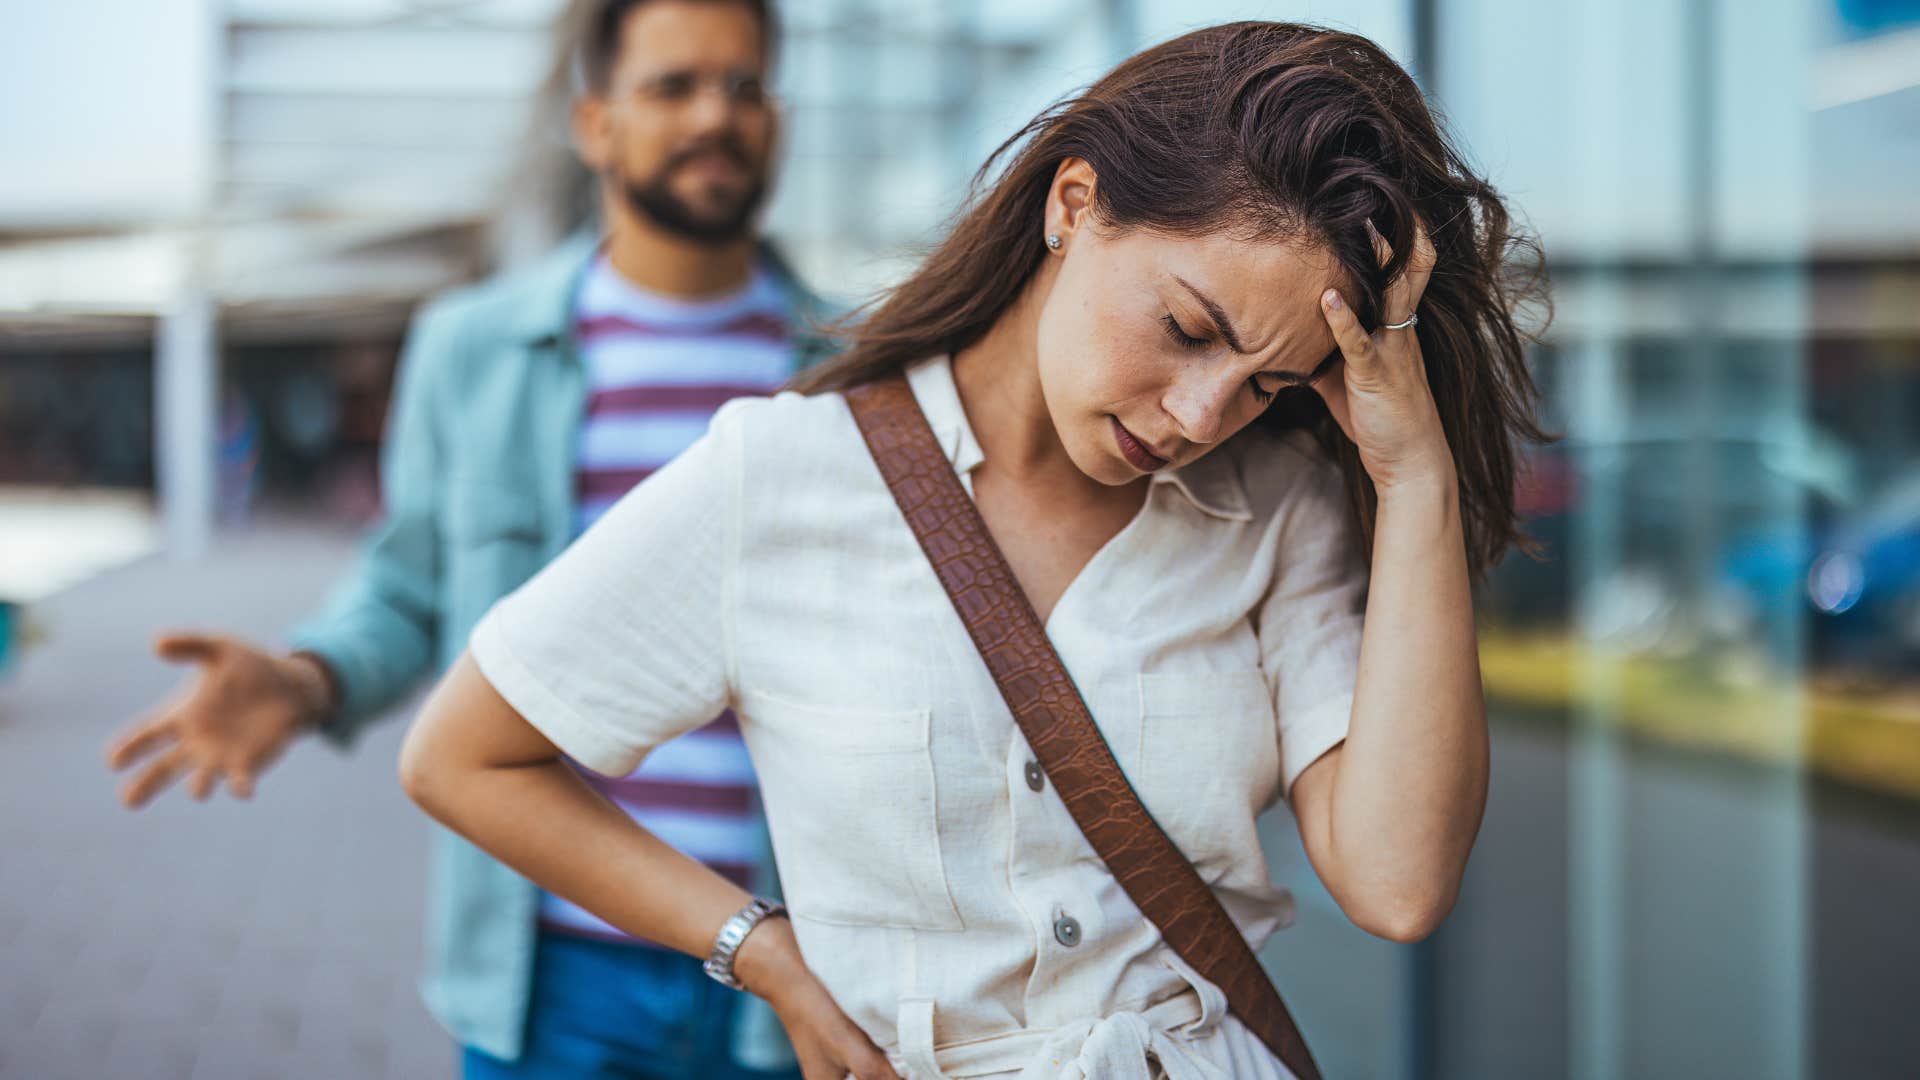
1189, 341
1180, 335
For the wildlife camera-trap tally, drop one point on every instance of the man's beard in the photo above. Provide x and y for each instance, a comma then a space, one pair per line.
654, 199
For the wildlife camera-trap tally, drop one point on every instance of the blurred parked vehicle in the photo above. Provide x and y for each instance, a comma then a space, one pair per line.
1771, 483
1858, 580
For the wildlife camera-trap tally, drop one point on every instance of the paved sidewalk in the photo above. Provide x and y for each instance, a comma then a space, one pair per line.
273, 939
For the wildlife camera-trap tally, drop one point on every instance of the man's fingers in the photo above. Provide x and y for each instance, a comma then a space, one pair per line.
240, 781
205, 778
183, 647
244, 765
139, 742
154, 778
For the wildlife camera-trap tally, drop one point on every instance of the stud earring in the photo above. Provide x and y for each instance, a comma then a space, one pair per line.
1053, 241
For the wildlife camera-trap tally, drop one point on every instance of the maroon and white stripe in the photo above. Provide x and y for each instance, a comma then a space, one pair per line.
657, 370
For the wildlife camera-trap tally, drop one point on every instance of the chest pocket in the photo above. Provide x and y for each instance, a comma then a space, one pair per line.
1209, 761
479, 511
852, 808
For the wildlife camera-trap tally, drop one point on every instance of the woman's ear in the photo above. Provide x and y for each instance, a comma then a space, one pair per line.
1069, 201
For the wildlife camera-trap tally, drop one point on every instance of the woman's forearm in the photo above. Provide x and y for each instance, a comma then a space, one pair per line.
547, 823
476, 766
544, 821
1412, 777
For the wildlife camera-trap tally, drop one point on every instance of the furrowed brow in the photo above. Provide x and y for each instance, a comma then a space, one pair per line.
1215, 313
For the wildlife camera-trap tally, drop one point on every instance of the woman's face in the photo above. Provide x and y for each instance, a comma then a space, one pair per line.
1155, 349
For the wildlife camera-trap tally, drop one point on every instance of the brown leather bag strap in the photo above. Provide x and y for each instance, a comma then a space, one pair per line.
1055, 720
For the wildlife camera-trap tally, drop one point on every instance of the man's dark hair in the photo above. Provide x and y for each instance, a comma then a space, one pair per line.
599, 35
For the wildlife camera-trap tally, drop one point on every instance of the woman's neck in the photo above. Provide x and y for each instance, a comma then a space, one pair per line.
998, 379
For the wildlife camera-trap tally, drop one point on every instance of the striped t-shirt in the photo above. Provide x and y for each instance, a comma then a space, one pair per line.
657, 369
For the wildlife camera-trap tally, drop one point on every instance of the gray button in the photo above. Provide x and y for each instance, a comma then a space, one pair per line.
1035, 778
1066, 931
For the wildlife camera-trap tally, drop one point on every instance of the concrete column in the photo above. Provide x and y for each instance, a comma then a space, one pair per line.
186, 387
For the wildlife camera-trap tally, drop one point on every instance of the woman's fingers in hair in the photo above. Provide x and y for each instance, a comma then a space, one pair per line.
1419, 270
1404, 294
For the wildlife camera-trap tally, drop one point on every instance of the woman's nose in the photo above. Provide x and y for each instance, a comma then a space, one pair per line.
1199, 404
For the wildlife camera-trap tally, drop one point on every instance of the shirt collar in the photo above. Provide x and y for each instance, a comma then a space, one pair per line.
1211, 484
932, 384
545, 310
553, 282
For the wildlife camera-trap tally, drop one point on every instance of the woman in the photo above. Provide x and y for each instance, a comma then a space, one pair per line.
1172, 353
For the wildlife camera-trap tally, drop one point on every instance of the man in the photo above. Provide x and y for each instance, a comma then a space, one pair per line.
524, 407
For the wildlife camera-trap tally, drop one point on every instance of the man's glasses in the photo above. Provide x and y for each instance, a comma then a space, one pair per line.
744, 88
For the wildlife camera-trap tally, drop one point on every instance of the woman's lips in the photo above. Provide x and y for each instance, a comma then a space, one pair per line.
1134, 450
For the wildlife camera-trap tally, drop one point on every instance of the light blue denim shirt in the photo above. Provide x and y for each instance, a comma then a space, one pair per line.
477, 478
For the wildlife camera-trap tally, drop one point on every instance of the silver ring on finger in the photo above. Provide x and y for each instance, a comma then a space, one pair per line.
1412, 321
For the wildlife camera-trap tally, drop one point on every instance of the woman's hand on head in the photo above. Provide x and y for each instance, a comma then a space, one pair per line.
1381, 398
830, 1045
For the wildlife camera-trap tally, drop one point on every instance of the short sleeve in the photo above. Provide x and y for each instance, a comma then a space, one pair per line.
621, 643
1310, 621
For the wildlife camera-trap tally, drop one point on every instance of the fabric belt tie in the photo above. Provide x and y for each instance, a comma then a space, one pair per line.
1112, 1047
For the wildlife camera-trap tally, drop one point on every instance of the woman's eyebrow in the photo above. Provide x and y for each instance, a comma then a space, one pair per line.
1215, 313
1225, 325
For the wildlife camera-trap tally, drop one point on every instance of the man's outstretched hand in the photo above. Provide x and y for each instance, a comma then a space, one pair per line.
234, 717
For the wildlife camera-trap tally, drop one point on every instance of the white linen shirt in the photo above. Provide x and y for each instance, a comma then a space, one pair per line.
938, 886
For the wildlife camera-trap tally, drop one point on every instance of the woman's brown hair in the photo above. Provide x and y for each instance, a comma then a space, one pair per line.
1274, 131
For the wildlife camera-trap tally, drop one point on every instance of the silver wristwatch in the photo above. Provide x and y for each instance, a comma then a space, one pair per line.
720, 963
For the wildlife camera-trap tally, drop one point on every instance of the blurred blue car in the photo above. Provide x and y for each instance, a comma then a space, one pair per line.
1858, 577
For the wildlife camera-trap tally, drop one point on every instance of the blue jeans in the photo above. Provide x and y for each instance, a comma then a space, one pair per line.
602, 1009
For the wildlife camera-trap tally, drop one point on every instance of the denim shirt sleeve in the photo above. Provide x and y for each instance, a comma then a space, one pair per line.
378, 632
